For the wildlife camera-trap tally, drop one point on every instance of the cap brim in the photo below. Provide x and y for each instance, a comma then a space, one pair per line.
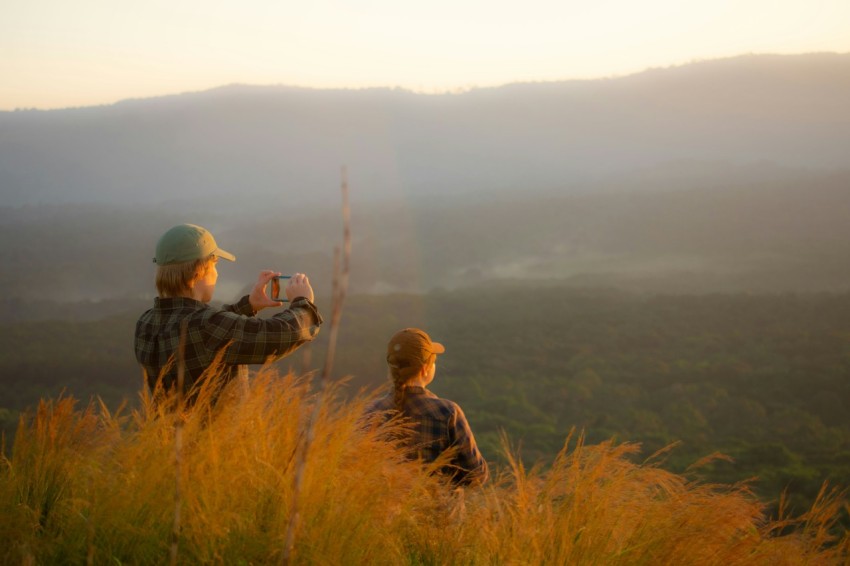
224, 255
437, 348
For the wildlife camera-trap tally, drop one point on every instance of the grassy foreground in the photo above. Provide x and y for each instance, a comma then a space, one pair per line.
89, 486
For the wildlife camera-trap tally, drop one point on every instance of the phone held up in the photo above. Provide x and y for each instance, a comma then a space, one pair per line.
274, 288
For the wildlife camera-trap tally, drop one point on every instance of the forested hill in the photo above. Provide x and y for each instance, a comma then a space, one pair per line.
286, 144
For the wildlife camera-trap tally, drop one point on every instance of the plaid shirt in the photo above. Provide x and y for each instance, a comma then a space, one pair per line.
436, 426
231, 331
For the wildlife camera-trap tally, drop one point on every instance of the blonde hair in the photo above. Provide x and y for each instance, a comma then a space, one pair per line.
177, 279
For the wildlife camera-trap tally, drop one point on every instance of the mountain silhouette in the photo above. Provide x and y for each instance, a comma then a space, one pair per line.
285, 145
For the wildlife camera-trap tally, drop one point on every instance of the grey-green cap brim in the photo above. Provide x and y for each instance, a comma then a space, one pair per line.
224, 255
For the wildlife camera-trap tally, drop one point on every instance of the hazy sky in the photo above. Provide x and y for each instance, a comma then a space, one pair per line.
59, 53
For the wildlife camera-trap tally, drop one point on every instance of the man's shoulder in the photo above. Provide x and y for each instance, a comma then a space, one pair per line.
146, 316
167, 312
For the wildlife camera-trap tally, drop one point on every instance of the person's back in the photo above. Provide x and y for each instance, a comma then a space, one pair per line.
221, 339
433, 425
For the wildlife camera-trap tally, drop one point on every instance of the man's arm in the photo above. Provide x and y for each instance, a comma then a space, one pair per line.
251, 340
242, 306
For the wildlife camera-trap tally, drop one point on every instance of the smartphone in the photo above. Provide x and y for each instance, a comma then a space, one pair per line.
274, 288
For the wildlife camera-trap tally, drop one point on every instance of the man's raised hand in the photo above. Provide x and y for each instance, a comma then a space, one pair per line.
258, 297
299, 286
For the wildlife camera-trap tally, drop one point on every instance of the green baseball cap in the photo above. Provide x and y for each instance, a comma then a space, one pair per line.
187, 242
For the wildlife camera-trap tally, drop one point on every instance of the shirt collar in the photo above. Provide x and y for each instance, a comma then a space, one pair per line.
418, 390
166, 303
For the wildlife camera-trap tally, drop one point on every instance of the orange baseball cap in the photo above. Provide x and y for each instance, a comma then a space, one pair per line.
411, 347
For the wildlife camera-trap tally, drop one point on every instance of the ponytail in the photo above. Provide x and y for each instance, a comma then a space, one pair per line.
402, 373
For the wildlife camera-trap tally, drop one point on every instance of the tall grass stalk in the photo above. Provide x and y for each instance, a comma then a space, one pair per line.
339, 292
87, 485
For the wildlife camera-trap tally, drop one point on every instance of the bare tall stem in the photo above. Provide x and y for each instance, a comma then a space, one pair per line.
339, 292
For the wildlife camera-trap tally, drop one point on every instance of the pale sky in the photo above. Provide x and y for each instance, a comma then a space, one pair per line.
61, 53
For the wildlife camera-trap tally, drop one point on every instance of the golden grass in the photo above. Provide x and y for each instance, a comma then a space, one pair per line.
89, 486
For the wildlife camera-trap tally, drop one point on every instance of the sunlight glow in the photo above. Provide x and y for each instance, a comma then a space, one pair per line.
56, 54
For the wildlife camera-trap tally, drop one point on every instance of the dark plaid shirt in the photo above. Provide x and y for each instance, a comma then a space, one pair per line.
436, 426
231, 331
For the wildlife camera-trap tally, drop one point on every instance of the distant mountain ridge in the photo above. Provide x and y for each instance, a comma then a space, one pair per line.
284, 145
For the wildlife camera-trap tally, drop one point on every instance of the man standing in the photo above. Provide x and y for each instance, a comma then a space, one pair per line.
219, 340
